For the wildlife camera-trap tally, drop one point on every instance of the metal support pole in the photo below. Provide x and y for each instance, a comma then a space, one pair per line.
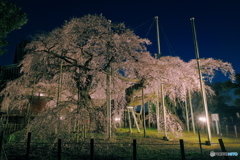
158, 39
201, 80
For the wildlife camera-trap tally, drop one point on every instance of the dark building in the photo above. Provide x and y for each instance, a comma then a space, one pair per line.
20, 51
10, 72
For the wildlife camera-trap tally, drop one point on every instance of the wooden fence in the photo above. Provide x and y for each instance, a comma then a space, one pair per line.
92, 152
11, 128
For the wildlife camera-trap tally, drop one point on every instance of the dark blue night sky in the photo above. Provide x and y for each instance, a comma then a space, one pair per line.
217, 24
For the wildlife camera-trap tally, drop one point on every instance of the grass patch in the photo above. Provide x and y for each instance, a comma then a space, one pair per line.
152, 146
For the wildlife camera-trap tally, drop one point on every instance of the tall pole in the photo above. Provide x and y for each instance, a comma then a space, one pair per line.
158, 39
200, 77
158, 56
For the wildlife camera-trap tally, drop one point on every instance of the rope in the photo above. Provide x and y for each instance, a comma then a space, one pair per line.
149, 29
142, 24
169, 46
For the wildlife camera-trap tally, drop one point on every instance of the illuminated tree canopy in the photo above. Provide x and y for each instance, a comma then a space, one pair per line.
81, 53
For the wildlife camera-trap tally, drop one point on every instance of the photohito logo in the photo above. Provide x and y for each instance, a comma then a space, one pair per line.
212, 153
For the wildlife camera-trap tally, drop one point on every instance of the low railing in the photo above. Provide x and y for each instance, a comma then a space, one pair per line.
98, 149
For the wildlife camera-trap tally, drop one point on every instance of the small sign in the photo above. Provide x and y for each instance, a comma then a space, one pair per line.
238, 115
215, 117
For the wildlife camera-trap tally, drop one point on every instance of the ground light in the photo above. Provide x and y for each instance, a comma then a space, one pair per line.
202, 120
118, 121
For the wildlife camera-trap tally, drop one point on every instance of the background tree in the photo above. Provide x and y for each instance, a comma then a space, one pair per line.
236, 87
12, 18
226, 98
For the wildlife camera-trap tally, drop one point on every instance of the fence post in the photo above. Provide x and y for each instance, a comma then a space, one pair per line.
92, 149
223, 148
28, 145
1, 143
235, 129
199, 139
227, 129
59, 148
134, 149
182, 149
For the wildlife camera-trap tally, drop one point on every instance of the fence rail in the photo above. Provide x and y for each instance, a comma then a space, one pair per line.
10, 128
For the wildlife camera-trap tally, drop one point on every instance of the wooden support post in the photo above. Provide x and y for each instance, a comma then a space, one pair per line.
134, 149
191, 109
182, 149
227, 129
148, 114
144, 115
129, 121
59, 149
199, 139
235, 129
157, 113
223, 148
1, 144
28, 145
186, 110
92, 149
